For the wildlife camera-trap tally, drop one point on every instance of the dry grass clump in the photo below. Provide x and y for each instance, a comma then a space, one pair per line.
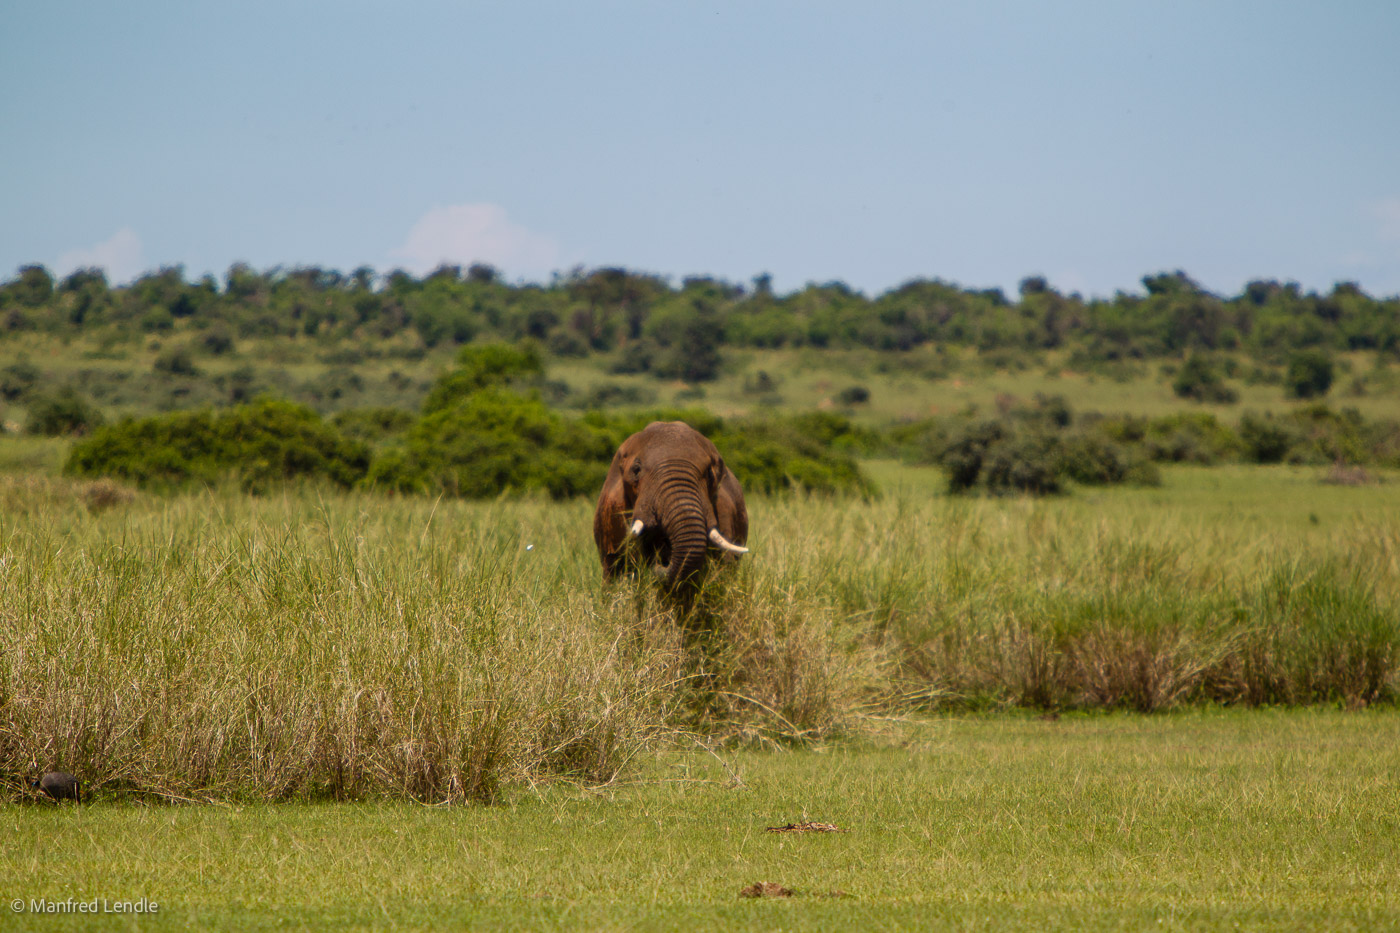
1342, 473
31, 494
103, 494
768, 665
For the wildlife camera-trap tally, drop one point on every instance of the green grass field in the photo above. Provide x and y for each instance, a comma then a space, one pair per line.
1208, 820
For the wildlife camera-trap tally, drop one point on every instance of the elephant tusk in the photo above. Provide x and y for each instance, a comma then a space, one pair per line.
721, 541
636, 528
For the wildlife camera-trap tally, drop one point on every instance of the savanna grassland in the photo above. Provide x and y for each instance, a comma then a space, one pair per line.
264, 692
296, 575
313, 644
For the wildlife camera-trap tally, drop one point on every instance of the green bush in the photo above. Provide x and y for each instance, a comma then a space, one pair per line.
483, 366
373, 425
157, 320
1034, 450
176, 361
1309, 374
61, 411
609, 394
17, 379
1000, 457
1027, 461
773, 456
1199, 379
688, 332
965, 452
1321, 435
853, 395
260, 444
836, 432
635, 357
217, 339
493, 442
1267, 439
1090, 458
1189, 437
565, 343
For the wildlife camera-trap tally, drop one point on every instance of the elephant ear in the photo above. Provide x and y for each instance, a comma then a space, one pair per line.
717, 471
610, 519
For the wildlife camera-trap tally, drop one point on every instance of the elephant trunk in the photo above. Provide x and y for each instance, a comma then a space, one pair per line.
682, 511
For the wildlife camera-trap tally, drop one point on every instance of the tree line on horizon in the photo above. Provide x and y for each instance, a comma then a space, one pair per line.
678, 331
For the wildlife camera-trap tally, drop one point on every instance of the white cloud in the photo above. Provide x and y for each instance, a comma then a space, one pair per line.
467, 233
119, 256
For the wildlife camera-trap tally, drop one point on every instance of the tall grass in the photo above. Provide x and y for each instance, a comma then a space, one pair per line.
346, 645
1128, 601
217, 645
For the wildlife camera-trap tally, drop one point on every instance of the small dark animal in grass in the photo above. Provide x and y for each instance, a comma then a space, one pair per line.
668, 489
765, 889
60, 785
807, 826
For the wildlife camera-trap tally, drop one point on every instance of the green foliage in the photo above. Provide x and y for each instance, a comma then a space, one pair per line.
1309, 375
780, 455
484, 366
1090, 458
261, 444
176, 361
635, 357
1200, 379
493, 442
1024, 462
61, 411
17, 380
1001, 457
217, 339
32, 288
853, 395
683, 332
373, 425
837, 432
1187, 437
688, 332
1267, 439
1033, 449
564, 343
608, 394
1317, 434
157, 320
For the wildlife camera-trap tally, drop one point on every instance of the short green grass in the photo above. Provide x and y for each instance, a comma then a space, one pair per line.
1202, 820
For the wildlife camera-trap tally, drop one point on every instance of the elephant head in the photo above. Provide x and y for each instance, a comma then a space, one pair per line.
669, 489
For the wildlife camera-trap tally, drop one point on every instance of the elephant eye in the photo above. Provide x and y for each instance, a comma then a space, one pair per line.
637, 468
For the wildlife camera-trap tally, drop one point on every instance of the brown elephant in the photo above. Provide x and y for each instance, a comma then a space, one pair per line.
669, 489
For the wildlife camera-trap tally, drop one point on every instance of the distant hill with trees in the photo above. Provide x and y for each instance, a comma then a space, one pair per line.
681, 331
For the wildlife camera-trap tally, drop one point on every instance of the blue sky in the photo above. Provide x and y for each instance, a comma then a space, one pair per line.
867, 142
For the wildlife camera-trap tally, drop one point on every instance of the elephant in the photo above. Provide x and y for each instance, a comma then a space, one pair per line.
668, 489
